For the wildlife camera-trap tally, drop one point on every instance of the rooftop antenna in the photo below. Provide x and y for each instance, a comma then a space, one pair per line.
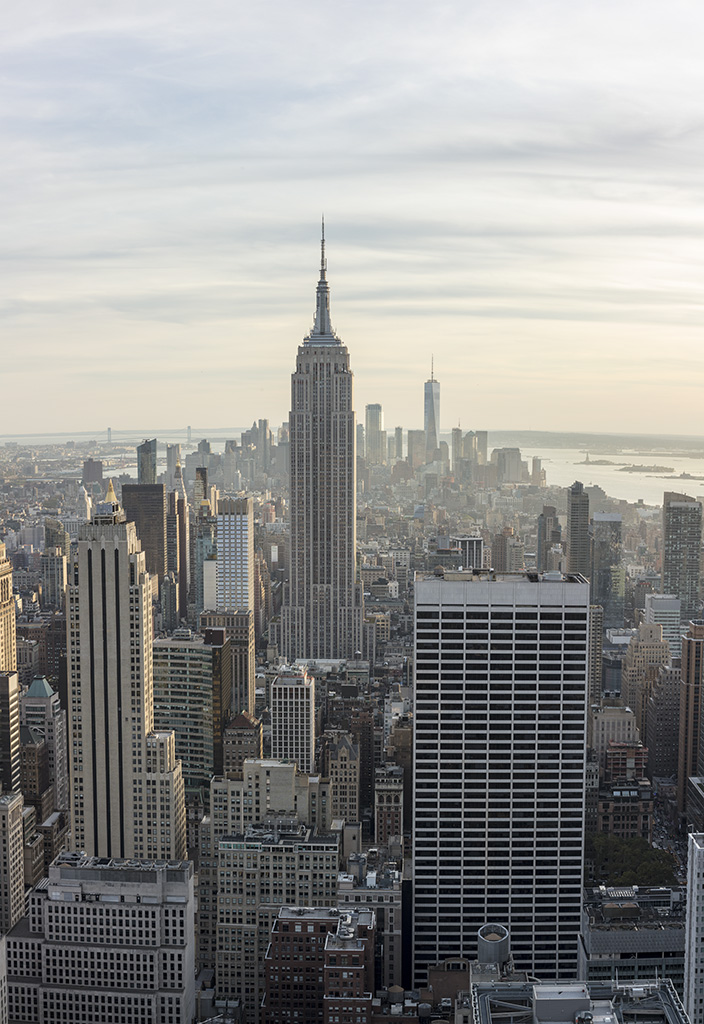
323, 262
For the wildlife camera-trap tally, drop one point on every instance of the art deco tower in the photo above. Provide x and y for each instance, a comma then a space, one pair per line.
127, 788
322, 614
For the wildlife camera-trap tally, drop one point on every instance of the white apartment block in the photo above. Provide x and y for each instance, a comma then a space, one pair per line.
235, 554
499, 738
293, 718
106, 941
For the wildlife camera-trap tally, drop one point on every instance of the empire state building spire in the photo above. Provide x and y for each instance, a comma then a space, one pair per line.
323, 332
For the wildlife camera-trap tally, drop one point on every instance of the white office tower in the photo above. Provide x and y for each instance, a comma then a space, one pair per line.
499, 750
234, 577
106, 941
293, 718
694, 935
666, 611
127, 789
322, 613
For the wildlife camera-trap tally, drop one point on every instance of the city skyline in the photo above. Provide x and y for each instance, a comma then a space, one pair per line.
494, 195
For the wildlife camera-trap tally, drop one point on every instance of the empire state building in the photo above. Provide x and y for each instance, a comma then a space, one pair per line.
322, 613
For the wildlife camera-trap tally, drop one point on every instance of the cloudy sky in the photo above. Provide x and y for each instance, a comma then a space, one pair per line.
512, 186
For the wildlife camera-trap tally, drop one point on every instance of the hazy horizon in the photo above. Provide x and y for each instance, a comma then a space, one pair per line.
513, 190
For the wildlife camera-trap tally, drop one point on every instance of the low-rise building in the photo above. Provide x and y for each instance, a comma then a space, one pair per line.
634, 934
105, 940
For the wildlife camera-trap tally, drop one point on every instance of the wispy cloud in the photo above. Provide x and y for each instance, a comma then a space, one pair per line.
516, 187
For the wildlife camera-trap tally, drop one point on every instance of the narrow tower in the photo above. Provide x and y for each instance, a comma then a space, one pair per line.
322, 614
431, 410
127, 789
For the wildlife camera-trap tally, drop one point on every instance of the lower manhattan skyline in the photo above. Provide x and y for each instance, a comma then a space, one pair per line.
513, 190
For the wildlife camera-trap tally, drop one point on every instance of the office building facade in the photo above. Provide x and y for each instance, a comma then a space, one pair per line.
145, 506
235, 554
682, 538
192, 698
146, 462
106, 942
694, 934
374, 435
499, 738
578, 548
293, 718
608, 573
122, 772
8, 651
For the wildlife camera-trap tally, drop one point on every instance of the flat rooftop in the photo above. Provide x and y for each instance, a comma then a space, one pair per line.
490, 576
561, 1002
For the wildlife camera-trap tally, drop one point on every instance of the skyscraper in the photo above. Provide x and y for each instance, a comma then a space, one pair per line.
666, 609
173, 459
40, 708
375, 435
692, 677
8, 649
11, 866
608, 573
501, 689
146, 462
9, 732
578, 554
192, 697
235, 554
145, 506
694, 935
322, 613
127, 788
431, 414
682, 538
293, 718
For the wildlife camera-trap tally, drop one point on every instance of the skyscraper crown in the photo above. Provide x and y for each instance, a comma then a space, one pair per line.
323, 333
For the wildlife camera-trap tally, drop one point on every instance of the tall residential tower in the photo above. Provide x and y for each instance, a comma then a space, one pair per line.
322, 613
